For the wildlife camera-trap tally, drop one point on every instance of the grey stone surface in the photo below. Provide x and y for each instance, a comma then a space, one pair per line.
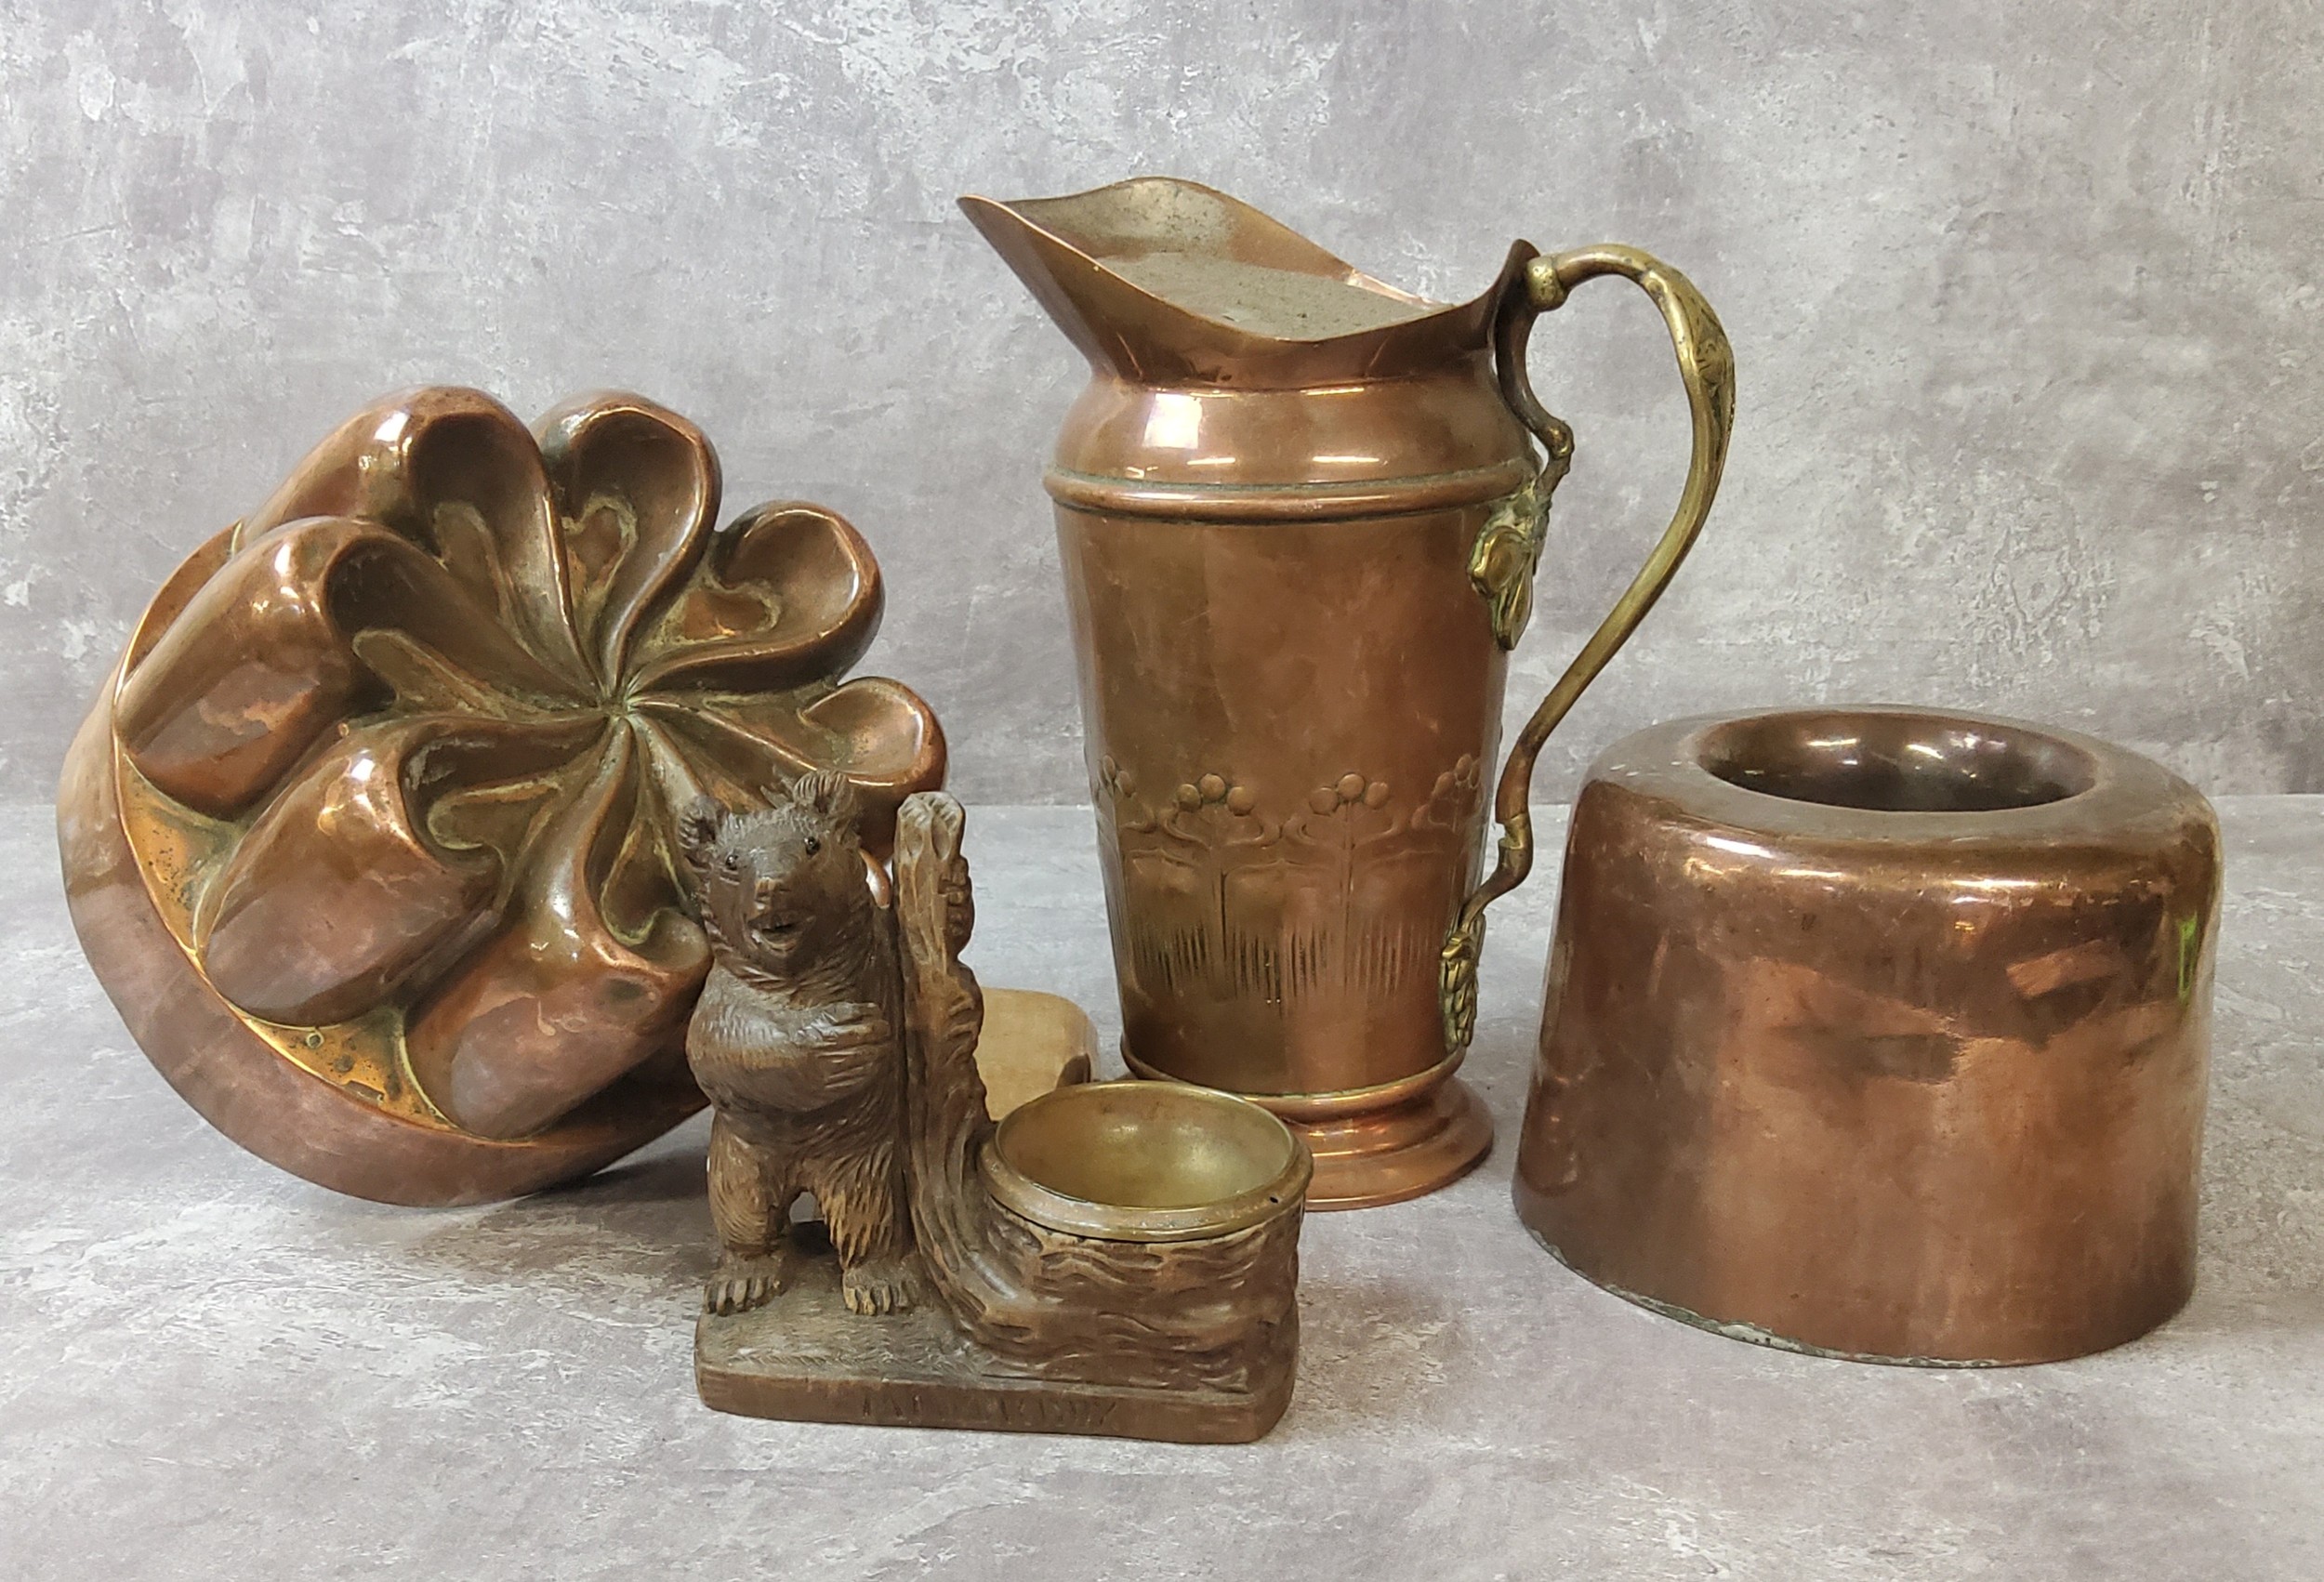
2024, 300
210, 1369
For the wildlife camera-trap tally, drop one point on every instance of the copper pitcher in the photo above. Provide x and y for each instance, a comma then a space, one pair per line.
1299, 513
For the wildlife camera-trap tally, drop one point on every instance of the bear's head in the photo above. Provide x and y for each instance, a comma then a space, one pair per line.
781, 890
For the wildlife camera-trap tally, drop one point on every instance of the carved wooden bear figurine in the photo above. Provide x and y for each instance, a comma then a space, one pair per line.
798, 1043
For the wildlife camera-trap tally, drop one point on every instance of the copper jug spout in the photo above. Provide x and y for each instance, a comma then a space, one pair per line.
1163, 281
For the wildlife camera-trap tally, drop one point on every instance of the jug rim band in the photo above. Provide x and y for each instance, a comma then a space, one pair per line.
1107, 496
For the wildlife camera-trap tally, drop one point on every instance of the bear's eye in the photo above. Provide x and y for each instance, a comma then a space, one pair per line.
733, 863
813, 846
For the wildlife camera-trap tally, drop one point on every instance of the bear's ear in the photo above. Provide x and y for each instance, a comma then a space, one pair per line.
831, 797
698, 831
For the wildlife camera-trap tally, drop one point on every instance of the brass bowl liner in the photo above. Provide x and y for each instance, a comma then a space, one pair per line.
1145, 1162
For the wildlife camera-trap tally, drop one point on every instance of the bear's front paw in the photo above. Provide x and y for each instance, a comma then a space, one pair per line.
743, 1283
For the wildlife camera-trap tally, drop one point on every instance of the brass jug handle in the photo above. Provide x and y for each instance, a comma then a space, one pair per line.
1509, 547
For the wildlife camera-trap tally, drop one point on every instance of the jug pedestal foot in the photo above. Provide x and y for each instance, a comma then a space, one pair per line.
1363, 1160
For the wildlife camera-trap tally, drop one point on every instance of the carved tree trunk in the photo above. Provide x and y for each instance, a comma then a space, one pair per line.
1216, 1313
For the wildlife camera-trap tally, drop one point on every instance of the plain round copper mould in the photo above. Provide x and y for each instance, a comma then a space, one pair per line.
1880, 1033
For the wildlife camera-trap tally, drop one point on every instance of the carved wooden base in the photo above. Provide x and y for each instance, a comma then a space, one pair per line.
805, 1358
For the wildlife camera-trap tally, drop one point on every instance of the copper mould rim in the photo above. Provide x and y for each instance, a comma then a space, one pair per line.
1755, 1335
1228, 504
2070, 788
1054, 1206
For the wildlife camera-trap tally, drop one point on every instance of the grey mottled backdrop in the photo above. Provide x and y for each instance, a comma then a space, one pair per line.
2025, 298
